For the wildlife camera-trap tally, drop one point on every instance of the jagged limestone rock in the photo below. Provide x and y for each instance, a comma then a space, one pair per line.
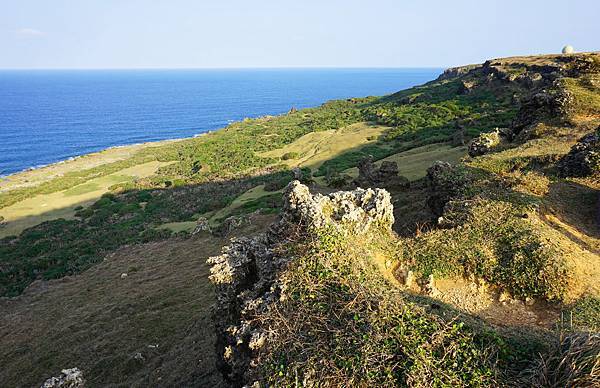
230, 224
245, 274
202, 226
466, 86
445, 182
584, 157
69, 378
553, 102
384, 176
484, 143
297, 172
354, 210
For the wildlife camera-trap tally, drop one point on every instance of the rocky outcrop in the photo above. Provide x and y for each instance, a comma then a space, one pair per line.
484, 143
584, 157
445, 182
230, 224
545, 104
202, 226
466, 86
246, 273
69, 378
455, 72
384, 176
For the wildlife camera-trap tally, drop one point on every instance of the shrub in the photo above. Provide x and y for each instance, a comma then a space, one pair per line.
493, 242
341, 324
290, 155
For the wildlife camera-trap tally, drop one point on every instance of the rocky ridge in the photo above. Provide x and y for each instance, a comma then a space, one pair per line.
246, 273
584, 157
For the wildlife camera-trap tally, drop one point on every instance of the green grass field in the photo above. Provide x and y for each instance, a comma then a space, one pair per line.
413, 164
313, 149
46, 207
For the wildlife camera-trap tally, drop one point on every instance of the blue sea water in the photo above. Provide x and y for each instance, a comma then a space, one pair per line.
48, 116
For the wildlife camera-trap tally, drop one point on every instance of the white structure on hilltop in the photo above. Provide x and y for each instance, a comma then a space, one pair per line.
568, 49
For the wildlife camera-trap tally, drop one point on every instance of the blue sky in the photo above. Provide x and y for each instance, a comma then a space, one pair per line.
269, 33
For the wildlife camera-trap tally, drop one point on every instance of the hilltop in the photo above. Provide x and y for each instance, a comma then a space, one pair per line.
470, 254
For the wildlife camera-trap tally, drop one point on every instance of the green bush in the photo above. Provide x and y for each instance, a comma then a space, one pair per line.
495, 243
341, 324
290, 155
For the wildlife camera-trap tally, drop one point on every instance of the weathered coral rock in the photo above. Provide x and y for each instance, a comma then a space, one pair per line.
202, 226
484, 143
245, 274
445, 182
584, 157
230, 224
384, 176
466, 87
297, 172
69, 378
551, 103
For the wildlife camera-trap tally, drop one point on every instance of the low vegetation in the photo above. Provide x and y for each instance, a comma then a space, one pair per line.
344, 325
62, 247
495, 243
508, 222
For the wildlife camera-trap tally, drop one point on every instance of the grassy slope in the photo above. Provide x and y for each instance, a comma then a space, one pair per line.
99, 321
61, 204
226, 162
414, 163
215, 172
526, 234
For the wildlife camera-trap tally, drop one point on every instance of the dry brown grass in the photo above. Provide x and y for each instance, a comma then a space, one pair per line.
573, 361
98, 321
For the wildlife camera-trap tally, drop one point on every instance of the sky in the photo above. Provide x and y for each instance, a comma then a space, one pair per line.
282, 33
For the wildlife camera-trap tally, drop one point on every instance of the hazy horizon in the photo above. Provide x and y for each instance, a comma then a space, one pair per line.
185, 34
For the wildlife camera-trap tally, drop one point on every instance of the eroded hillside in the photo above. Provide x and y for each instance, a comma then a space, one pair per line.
493, 178
493, 280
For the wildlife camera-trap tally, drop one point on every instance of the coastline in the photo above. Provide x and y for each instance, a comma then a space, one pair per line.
35, 175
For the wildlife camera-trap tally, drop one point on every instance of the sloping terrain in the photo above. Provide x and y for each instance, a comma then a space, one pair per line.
489, 254
150, 327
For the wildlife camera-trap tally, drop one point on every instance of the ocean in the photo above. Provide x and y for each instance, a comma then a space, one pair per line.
51, 115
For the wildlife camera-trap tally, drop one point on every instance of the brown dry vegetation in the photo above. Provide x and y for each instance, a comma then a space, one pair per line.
98, 321
524, 260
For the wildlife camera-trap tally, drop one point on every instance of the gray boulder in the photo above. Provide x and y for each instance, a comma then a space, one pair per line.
584, 157
69, 378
